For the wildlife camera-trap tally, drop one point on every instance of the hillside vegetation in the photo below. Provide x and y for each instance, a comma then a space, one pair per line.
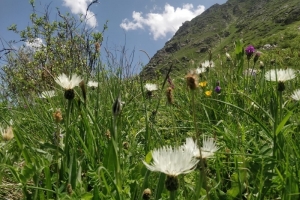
220, 124
274, 23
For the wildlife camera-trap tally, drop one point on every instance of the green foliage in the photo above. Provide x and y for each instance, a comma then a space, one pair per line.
90, 153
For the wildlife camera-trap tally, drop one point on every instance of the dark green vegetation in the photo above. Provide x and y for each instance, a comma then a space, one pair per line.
257, 22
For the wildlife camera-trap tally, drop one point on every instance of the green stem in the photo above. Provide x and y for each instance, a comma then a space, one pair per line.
173, 195
117, 148
67, 124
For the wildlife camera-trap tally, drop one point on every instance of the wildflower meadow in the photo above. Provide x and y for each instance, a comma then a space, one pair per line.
225, 127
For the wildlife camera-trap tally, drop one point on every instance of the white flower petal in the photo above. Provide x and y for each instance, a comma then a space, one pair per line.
67, 83
209, 147
207, 64
92, 84
280, 75
151, 87
172, 161
296, 95
47, 94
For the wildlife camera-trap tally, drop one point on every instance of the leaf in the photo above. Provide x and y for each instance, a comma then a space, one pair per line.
283, 122
160, 185
87, 196
148, 157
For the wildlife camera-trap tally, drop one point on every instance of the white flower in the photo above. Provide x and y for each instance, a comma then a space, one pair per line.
207, 64
67, 83
172, 161
254, 105
47, 94
280, 75
208, 149
200, 70
296, 95
191, 146
151, 87
228, 56
92, 84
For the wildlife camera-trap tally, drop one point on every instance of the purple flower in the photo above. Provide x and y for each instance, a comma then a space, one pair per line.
218, 89
249, 51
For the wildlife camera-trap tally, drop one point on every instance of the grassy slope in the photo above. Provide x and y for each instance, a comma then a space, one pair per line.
273, 22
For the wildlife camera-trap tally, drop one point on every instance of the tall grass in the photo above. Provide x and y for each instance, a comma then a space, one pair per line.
96, 153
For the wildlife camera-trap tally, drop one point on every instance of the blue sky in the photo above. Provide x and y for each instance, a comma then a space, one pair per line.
146, 24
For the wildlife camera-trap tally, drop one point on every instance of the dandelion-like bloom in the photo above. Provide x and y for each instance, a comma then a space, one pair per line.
280, 75
57, 115
296, 95
68, 84
209, 147
151, 87
192, 81
92, 84
208, 93
172, 162
200, 70
207, 151
169, 94
261, 65
147, 194
47, 94
7, 134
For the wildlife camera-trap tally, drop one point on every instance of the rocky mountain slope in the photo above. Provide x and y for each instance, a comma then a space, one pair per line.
259, 22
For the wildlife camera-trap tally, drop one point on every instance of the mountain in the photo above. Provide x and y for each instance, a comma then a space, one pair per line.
263, 23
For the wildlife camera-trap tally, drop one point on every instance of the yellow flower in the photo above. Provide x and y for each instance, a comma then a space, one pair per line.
203, 84
208, 93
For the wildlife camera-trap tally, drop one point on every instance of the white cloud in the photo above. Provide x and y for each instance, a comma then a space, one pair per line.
79, 7
34, 44
160, 24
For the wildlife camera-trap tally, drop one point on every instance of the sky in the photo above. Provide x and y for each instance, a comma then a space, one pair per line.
136, 24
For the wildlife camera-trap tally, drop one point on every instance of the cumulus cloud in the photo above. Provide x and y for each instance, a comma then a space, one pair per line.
160, 24
79, 7
34, 44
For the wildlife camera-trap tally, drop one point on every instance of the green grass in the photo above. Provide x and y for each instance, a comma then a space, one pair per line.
99, 156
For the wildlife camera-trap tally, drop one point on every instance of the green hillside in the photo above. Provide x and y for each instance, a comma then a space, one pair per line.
258, 22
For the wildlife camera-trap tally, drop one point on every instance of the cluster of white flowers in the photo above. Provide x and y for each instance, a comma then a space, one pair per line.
207, 64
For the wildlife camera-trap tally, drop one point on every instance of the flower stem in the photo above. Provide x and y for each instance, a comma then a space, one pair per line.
173, 195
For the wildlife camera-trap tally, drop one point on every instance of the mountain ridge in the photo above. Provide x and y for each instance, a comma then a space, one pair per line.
218, 27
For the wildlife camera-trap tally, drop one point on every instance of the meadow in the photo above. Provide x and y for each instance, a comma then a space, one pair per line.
224, 128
